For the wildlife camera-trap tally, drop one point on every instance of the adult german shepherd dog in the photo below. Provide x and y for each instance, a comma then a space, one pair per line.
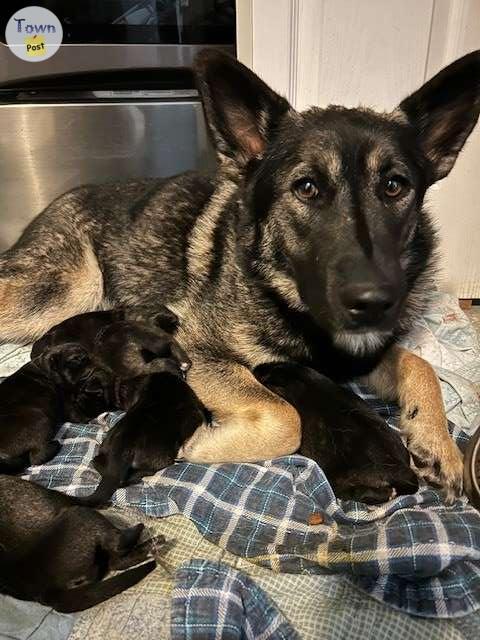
309, 243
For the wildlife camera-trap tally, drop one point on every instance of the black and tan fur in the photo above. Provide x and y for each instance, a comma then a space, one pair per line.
256, 267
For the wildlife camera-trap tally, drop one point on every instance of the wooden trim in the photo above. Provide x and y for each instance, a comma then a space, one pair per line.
244, 10
272, 43
446, 34
294, 37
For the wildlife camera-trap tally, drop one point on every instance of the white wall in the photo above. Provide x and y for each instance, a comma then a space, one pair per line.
374, 52
455, 201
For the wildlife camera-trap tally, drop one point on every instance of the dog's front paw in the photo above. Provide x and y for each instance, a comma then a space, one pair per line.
435, 456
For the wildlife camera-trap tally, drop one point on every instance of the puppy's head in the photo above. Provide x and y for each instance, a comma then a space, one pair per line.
291, 381
331, 214
93, 394
86, 388
65, 364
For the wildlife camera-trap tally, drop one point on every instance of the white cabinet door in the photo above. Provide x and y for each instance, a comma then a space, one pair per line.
374, 52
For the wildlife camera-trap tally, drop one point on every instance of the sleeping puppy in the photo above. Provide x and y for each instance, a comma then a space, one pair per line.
127, 342
166, 413
57, 553
362, 457
82, 328
62, 384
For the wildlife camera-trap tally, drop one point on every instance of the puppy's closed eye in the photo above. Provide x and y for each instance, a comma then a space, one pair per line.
78, 582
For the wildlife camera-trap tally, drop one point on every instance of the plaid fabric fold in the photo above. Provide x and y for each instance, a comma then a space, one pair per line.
413, 553
212, 600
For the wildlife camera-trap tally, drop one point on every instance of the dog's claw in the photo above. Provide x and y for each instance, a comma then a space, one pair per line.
439, 462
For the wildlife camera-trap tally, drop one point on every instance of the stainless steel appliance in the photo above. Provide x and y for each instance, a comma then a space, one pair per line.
117, 100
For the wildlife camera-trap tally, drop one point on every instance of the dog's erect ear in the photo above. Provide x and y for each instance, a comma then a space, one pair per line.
241, 110
445, 110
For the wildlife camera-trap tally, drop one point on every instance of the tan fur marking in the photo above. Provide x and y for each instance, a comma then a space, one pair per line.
333, 162
253, 423
397, 115
246, 343
288, 288
374, 159
199, 253
84, 293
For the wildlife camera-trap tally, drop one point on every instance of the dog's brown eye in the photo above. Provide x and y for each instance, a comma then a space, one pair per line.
305, 189
394, 187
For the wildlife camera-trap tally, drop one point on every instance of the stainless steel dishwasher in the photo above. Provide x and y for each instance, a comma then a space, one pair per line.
117, 101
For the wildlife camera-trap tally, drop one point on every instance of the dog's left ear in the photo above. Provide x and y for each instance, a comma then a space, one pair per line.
241, 110
444, 112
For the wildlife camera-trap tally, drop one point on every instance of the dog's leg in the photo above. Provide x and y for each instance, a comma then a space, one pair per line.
252, 423
51, 273
411, 381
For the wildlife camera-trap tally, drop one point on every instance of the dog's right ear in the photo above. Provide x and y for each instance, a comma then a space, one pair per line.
242, 111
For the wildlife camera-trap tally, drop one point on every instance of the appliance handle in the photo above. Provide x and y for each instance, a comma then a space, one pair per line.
138, 79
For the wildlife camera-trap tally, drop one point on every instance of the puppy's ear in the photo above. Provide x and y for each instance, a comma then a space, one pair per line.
241, 110
166, 320
444, 112
66, 362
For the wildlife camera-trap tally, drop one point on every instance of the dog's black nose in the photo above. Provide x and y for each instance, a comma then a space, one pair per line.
366, 304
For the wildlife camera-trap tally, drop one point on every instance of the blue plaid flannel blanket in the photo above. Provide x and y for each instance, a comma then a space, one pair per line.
211, 600
413, 553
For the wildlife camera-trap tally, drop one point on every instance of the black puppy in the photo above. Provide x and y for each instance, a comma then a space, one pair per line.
362, 457
62, 384
84, 327
127, 342
166, 413
57, 553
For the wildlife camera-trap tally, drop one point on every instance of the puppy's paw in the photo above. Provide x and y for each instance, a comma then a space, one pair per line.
435, 456
370, 487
